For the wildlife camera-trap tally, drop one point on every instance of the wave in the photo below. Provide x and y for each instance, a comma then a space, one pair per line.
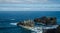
13, 23
8, 25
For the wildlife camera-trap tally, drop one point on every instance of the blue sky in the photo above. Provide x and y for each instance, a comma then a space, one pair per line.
29, 5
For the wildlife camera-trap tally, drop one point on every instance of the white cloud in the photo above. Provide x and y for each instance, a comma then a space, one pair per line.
31, 8
31, 1
25, 1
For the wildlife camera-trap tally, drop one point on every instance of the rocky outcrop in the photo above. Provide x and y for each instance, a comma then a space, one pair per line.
46, 20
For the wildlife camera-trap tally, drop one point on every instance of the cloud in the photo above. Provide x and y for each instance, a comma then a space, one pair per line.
29, 5
55, 1
29, 9
27, 1
36, 7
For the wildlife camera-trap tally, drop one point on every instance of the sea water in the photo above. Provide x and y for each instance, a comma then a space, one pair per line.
7, 17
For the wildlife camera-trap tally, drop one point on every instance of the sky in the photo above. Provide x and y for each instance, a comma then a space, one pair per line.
29, 5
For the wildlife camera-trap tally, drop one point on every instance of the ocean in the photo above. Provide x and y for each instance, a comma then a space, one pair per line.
7, 17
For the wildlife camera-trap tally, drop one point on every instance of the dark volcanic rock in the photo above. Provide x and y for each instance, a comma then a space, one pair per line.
57, 30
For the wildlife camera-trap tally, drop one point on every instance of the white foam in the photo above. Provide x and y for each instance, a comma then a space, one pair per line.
37, 30
13, 23
52, 27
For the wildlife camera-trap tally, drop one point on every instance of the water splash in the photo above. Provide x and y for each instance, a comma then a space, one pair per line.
37, 30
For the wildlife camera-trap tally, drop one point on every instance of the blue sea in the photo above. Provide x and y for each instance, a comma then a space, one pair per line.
7, 17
